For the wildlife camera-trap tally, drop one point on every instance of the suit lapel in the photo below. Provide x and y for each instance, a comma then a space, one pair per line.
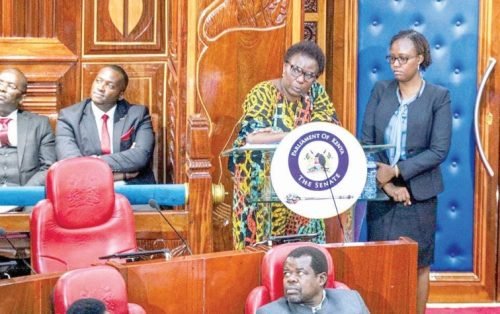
91, 134
22, 127
389, 104
119, 124
418, 107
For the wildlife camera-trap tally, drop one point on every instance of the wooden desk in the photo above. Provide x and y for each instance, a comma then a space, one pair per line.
384, 273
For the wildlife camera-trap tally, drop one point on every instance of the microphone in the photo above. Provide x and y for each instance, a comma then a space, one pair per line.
3, 234
154, 204
165, 252
322, 162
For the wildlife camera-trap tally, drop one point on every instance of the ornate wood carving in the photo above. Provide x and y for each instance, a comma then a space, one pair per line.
311, 6
200, 186
124, 27
240, 44
311, 31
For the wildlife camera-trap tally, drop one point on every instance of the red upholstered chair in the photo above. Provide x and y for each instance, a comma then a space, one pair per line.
101, 282
81, 219
271, 288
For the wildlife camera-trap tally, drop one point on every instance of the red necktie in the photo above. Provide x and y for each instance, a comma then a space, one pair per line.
4, 131
105, 146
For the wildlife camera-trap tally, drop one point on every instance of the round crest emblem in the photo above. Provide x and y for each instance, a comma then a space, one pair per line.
318, 170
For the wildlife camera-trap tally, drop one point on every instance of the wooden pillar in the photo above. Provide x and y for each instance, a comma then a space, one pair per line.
198, 167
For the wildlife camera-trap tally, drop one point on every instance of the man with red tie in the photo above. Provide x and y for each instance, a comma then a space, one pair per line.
27, 147
108, 127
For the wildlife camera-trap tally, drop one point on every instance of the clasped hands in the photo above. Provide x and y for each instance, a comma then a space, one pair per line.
384, 175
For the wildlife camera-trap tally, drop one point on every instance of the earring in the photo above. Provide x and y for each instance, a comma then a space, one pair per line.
418, 67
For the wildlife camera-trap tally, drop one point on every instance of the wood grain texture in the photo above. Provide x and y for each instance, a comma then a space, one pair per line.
124, 27
198, 168
220, 282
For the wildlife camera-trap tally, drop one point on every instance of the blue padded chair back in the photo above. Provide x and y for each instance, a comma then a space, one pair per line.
451, 28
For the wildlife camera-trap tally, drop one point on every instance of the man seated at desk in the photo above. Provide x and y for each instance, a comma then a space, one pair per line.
304, 278
108, 127
27, 146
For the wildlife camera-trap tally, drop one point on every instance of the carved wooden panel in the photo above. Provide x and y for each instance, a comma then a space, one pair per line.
311, 31
32, 18
176, 91
240, 44
46, 85
311, 6
124, 27
146, 81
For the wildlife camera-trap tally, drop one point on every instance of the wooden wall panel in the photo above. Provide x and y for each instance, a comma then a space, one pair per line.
32, 18
124, 27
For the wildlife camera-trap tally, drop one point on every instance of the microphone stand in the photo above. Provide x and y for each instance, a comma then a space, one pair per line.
153, 204
3, 234
322, 162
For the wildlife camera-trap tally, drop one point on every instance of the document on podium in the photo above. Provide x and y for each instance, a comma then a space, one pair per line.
257, 147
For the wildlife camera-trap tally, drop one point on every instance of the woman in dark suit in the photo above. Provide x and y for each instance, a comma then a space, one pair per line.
413, 116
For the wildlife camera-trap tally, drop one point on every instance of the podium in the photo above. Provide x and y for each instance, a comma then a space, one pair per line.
261, 192
256, 186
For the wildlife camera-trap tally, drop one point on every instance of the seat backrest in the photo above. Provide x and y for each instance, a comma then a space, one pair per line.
81, 218
271, 287
272, 267
101, 282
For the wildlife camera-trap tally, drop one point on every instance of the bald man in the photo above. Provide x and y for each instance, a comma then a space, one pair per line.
27, 144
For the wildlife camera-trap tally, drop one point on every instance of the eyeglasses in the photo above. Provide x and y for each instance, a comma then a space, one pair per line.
296, 72
401, 59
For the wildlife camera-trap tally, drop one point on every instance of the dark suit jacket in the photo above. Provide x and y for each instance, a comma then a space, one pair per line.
337, 301
133, 138
428, 135
35, 147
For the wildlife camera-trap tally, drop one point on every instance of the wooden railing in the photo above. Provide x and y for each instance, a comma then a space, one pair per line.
384, 273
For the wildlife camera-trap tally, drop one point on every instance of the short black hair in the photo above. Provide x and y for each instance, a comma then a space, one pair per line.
87, 306
122, 72
309, 49
318, 260
419, 41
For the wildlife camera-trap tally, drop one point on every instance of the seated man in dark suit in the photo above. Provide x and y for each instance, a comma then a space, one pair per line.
27, 146
304, 278
108, 127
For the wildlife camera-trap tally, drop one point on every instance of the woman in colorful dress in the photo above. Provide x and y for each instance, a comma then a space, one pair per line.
271, 110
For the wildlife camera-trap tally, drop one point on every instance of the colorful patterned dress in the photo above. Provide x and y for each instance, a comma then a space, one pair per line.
264, 107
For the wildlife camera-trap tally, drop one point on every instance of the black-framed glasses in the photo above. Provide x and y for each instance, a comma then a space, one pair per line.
400, 59
297, 71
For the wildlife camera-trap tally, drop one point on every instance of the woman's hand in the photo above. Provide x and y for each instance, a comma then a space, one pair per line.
385, 173
266, 136
398, 193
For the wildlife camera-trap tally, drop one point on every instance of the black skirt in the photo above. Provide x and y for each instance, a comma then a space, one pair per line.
391, 220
